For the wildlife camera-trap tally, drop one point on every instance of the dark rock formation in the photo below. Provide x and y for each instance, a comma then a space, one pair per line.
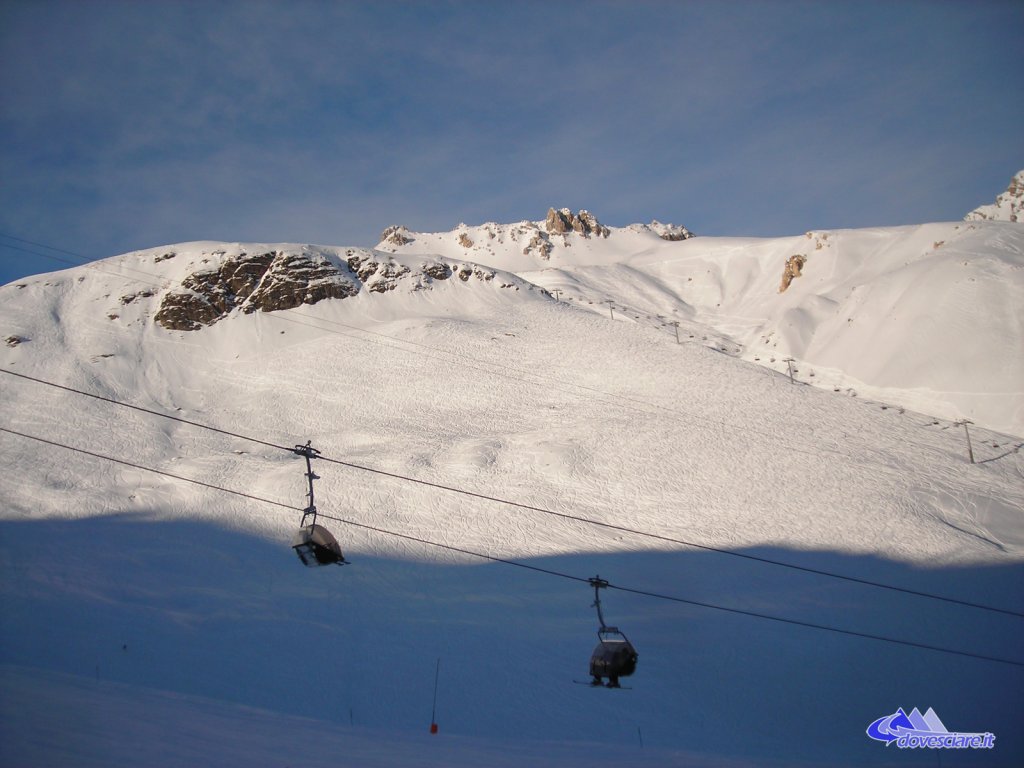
293, 280
269, 282
377, 276
672, 232
396, 235
1009, 206
266, 282
794, 265
539, 245
128, 299
563, 221
437, 271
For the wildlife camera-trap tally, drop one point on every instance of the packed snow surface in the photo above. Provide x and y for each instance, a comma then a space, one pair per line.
148, 597
927, 316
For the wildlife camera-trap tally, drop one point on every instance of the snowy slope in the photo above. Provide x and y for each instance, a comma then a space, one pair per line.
171, 596
927, 317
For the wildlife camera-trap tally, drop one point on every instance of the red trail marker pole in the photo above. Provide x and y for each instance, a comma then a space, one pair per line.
433, 711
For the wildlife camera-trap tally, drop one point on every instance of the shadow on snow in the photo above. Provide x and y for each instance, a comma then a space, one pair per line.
194, 609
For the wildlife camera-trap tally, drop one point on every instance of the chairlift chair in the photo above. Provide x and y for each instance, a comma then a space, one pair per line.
614, 656
315, 546
313, 543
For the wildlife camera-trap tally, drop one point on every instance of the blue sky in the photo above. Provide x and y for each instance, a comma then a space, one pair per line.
128, 125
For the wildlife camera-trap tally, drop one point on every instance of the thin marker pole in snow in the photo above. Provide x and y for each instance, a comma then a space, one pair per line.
433, 711
676, 325
556, 291
970, 448
789, 363
611, 311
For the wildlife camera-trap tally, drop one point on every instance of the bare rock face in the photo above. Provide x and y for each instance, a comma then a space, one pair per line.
131, 297
293, 280
437, 271
465, 241
672, 232
587, 224
539, 245
377, 276
1009, 206
265, 282
558, 222
396, 235
563, 221
794, 265
13, 341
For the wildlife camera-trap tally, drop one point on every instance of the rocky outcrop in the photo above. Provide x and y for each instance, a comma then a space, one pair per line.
13, 341
539, 245
465, 241
266, 282
563, 221
293, 280
131, 297
277, 280
377, 275
396, 235
672, 232
1009, 206
792, 270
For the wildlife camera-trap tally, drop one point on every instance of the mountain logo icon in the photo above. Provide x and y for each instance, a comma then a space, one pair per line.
927, 731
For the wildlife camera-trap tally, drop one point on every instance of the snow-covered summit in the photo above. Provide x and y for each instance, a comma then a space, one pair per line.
561, 238
189, 286
1009, 205
923, 316
926, 317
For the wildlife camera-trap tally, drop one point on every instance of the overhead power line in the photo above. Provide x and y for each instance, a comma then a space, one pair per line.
83, 261
61, 259
43, 245
532, 508
546, 571
150, 411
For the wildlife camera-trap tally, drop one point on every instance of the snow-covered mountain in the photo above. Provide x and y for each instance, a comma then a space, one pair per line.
550, 377
926, 317
1009, 205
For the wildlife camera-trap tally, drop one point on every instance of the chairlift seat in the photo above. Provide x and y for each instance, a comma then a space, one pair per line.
316, 546
614, 656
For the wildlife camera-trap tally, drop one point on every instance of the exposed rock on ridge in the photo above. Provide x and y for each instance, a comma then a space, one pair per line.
266, 282
277, 280
396, 234
1009, 206
672, 232
792, 270
563, 221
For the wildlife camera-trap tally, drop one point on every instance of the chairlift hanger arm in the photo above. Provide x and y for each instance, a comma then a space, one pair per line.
598, 584
309, 452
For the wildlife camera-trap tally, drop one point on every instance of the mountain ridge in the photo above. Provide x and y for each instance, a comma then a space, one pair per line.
922, 316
